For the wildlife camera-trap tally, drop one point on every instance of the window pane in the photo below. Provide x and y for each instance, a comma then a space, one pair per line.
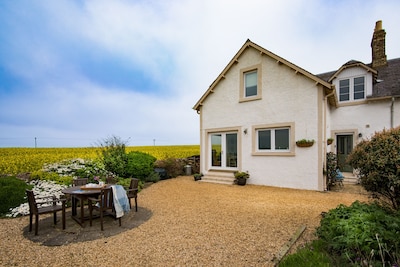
251, 84
264, 139
359, 88
344, 90
282, 139
231, 150
216, 146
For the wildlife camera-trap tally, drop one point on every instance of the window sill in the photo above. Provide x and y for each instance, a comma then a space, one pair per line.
280, 154
246, 99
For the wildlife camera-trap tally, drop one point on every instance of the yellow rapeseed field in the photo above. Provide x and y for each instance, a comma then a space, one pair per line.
21, 160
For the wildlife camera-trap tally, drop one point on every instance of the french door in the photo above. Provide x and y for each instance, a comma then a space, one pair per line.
223, 147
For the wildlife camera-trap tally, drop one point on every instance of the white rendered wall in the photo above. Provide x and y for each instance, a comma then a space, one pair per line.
287, 97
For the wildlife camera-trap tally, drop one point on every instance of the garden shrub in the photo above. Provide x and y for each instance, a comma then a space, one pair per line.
139, 165
51, 176
153, 177
12, 193
310, 255
361, 232
174, 167
72, 168
112, 151
378, 163
331, 166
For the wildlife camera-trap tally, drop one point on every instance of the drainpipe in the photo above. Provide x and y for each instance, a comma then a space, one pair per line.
391, 112
324, 139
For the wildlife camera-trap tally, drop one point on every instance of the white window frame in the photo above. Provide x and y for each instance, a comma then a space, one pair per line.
242, 89
351, 89
273, 151
223, 132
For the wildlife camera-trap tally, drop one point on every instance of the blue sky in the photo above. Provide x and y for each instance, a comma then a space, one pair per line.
73, 72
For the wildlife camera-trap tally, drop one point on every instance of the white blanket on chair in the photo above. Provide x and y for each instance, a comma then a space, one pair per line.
121, 202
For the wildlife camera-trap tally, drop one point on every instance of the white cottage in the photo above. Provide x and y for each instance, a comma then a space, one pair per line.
258, 107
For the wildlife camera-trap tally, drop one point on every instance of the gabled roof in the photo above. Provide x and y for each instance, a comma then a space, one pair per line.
386, 78
351, 64
329, 88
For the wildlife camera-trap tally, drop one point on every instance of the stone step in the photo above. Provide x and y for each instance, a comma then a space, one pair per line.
350, 178
221, 178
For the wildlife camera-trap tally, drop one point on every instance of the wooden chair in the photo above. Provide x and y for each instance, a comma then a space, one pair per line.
132, 192
80, 181
36, 209
104, 204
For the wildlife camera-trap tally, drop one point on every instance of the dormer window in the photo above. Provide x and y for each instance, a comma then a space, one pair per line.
250, 83
352, 89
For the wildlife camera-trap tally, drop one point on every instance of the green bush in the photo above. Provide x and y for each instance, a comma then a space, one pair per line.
361, 232
139, 165
153, 177
12, 193
331, 167
310, 255
114, 157
174, 167
378, 162
51, 176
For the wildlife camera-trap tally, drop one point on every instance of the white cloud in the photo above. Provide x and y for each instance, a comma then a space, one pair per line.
183, 45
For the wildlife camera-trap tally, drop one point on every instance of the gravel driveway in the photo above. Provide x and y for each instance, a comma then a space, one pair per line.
190, 224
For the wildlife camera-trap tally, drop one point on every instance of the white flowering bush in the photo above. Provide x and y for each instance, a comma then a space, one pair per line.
41, 189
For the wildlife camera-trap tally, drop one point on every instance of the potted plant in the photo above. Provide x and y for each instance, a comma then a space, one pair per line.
305, 143
197, 176
329, 141
241, 177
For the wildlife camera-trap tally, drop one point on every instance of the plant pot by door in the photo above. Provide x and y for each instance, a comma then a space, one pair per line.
241, 181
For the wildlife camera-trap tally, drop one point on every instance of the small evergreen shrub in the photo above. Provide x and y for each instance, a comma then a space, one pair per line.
51, 176
153, 177
139, 165
310, 255
361, 233
378, 163
12, 193
331, 166
113, 154
174, 167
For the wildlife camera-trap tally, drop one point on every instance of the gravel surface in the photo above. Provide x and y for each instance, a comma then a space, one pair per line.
189, 224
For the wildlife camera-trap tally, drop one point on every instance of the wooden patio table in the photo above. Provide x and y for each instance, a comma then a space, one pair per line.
78, 193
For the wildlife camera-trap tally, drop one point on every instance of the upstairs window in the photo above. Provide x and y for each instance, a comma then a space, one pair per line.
352, 89
250, 83
359, 88
344, 91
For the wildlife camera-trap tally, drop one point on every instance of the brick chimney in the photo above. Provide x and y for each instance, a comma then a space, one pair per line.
378, 46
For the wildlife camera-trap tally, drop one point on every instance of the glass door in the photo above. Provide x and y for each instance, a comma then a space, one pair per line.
223, 150
343, 149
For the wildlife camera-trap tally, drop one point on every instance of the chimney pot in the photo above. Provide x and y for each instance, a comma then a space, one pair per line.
378, 25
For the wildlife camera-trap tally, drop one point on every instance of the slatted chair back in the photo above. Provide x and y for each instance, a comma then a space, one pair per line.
34, 209
32, 202
132, 191
80, 181
104, 204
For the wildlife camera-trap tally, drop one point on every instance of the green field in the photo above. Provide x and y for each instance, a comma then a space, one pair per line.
21, 160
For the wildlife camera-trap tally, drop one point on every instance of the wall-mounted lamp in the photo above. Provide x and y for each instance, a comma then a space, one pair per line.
245, 131
360, 135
